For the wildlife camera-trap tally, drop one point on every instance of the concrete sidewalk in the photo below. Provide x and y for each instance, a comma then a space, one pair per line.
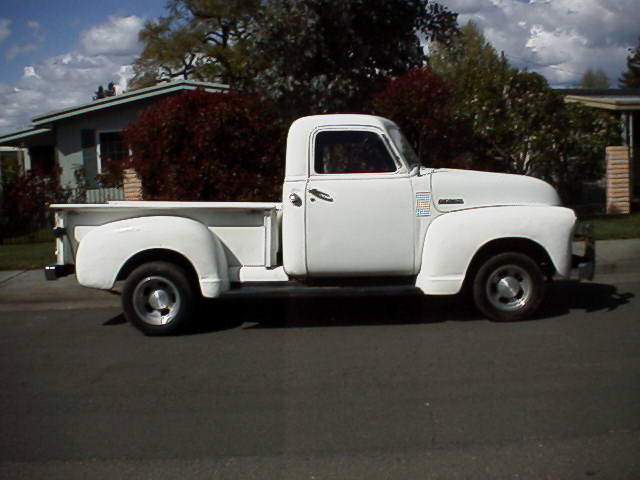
614, 256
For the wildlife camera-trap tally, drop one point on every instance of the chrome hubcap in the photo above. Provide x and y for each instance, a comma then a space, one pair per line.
509, 287
156, 300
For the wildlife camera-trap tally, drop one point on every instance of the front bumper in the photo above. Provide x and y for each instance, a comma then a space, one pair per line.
585, 264
54, 272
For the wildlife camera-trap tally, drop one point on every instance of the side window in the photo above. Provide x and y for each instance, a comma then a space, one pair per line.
112, 146
351, 152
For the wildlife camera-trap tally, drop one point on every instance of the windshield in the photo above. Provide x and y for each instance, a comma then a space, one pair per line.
403, 146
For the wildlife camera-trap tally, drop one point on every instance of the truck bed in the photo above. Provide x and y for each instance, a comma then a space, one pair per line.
249, 231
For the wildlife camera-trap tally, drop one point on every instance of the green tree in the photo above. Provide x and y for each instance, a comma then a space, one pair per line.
478, 75
508, 112
524, 137
516, 122
324, 55
468, 59
581, 137
308, 56
594, 79
631, 78
197, 39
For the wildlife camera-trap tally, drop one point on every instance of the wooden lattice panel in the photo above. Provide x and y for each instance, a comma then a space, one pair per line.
132, 185
618, 180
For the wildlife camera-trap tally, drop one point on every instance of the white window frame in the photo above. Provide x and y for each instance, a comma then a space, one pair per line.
400, 167
98, 148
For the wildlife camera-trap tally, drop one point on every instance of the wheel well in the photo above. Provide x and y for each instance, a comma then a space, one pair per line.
519, 245
155, 255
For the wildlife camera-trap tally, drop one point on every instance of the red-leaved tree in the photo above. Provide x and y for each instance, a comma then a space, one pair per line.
207, 146
420, 102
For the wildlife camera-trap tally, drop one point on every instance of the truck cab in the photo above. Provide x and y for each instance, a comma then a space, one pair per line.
348, 199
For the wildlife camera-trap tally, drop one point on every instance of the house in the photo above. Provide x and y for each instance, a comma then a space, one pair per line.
622, 160
77, 138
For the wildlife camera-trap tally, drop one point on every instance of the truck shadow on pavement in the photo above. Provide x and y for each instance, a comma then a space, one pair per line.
370, 310
564, 296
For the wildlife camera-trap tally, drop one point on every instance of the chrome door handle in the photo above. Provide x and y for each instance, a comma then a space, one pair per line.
321, 195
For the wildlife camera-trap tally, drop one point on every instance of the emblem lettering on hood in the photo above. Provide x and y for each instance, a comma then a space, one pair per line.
450, 201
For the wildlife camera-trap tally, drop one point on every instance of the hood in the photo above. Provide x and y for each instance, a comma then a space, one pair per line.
461, 189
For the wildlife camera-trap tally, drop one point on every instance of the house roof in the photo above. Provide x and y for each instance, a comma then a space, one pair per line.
608, 99
133, 96
32, 136
41, 130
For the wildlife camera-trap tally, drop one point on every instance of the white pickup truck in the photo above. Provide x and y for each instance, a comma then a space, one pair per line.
357, 207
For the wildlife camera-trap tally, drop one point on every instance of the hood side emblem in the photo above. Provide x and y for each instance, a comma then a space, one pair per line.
450, 201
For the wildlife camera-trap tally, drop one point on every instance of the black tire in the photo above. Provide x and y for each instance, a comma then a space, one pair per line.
158, 298
508, 287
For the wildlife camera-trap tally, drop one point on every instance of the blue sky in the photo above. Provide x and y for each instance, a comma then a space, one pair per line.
42, 29
55, 53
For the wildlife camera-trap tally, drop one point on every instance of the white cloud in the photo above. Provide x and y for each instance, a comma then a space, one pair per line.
559, 39
5, 31
117, 37
105, 55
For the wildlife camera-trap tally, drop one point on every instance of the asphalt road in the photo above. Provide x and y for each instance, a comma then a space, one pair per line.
323, 387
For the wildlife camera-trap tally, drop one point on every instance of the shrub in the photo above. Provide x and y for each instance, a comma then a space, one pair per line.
209, 147
26, 197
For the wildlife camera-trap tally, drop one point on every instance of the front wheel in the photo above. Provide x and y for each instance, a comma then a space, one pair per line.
158, 298
508, 287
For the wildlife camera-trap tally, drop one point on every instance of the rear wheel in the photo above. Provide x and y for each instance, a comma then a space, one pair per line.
158, 298
508, 287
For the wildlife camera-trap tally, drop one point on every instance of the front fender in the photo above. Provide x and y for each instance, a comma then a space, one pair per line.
105, 250
453, 239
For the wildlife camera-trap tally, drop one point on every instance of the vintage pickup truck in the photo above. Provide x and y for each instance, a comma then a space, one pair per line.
357, 207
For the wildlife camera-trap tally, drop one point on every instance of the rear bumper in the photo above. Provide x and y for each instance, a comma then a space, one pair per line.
585, 263
54, 272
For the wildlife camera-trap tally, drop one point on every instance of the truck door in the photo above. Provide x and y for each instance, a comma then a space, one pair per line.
359, 207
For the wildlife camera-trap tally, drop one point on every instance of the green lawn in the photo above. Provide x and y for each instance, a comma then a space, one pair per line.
26, 255
610, 227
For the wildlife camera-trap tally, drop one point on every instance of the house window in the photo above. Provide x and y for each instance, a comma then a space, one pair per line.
112, 147
351, 152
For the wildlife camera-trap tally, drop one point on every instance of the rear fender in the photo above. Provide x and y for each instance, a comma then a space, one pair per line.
106, 249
